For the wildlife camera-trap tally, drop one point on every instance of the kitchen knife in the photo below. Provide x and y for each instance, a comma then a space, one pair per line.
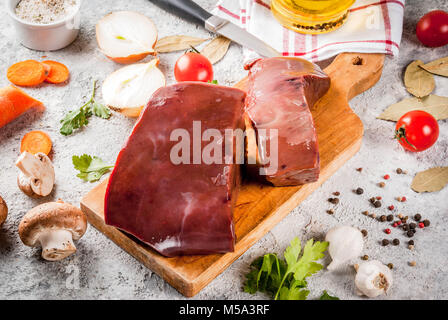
191, 11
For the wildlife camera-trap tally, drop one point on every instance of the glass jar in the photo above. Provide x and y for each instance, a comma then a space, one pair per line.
311, 16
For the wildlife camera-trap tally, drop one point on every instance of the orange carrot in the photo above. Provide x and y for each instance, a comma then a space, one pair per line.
14, 102
58, 72
27, 73
36, 141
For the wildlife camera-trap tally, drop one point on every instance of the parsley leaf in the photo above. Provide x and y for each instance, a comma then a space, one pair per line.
326, 296
91, 169
78, 118
212, 81
285, 279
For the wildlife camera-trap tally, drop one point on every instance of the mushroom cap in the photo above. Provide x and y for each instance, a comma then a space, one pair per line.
52, 216
3, 210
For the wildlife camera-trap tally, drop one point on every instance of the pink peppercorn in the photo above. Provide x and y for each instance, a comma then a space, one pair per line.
378, 198
421, 225
387, 231
395, 225
386, 177
399, 222
391, 207
403, 199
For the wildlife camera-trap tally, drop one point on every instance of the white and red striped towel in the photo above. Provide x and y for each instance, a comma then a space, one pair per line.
372, 26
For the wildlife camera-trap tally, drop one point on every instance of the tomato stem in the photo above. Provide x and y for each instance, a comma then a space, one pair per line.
401, 134
193, 49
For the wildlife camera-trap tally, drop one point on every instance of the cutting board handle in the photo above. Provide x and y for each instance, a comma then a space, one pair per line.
355, 72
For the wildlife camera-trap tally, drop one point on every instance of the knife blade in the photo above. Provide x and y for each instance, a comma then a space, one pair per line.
191, 11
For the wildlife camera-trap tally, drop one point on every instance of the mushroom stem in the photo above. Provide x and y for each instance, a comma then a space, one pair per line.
56, 244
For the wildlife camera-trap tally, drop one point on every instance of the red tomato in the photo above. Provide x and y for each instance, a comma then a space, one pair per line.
417, 130
193, 66
432, 29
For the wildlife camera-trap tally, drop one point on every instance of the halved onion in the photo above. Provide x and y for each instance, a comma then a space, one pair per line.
126, 36
129, 89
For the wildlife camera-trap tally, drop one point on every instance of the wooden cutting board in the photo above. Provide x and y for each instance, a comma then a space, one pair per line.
260, 207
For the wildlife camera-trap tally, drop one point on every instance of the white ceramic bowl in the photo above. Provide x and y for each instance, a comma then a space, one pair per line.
45, 37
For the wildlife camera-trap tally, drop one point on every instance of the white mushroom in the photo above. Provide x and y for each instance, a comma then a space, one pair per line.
3, 210
54, 226
36, 176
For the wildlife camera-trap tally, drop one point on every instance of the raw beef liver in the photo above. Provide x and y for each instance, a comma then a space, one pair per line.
183, 209
280, 95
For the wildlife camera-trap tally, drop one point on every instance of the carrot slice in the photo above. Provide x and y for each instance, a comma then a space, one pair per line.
36, 141
14, 102
58, 72
27, 73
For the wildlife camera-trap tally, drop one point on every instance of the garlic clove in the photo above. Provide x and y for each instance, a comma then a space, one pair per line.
346, 243
373, 279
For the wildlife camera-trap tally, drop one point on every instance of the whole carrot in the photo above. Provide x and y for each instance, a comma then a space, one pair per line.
14, 102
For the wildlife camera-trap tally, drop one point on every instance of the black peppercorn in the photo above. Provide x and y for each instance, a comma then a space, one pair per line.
405, 227
412, 225
410, 233
377, 204
390, 217
359, 191
383, 218
396, 242
337, 193
334, 200
426, 223
364, 232
372, 200
399, 170
385, 242
411, 242
365, 257
417, 217
390, 266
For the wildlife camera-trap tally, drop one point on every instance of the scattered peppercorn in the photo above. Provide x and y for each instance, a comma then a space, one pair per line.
399, 222
396, 242
403, 199
388, 231
377, 204
365, 257
385, 242
383, 218
378, 198
390, 266
386, 177
372, 200
331, 211
395, 225
399, 171
337, 193
411, 247
391, 207
364, 232
381, 184
400, 216
373, 215
412, 225
359, 191
410, 233
411, 242
366, 213
334, 200
390, 217
421, 225
412, 263
405, 227
426, 223
359, 169
417, 217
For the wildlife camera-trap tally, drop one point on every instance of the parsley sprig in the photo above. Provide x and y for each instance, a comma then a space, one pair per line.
90, 168
78, 118
285, 279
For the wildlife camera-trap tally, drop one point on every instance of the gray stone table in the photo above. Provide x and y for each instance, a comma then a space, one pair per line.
107, 272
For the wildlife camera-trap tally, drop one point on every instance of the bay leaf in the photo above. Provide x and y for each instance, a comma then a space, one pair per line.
177, 43
439, 67
216, 49
430, 180
435, 105
418, 81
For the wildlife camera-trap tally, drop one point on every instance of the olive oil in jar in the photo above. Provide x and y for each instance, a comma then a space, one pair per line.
311, 16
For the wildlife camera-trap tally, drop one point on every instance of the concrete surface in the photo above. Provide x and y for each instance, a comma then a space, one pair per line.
106, 272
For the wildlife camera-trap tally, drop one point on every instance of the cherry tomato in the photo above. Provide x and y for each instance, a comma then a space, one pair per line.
432, 29
193, 66
417, 130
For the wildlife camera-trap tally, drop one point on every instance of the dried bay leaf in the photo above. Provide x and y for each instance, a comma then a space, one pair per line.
216, 49
435, 105
418, 81
177, 43
430, 180
439, 67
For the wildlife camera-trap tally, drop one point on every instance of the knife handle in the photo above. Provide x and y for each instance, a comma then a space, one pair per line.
186, 9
